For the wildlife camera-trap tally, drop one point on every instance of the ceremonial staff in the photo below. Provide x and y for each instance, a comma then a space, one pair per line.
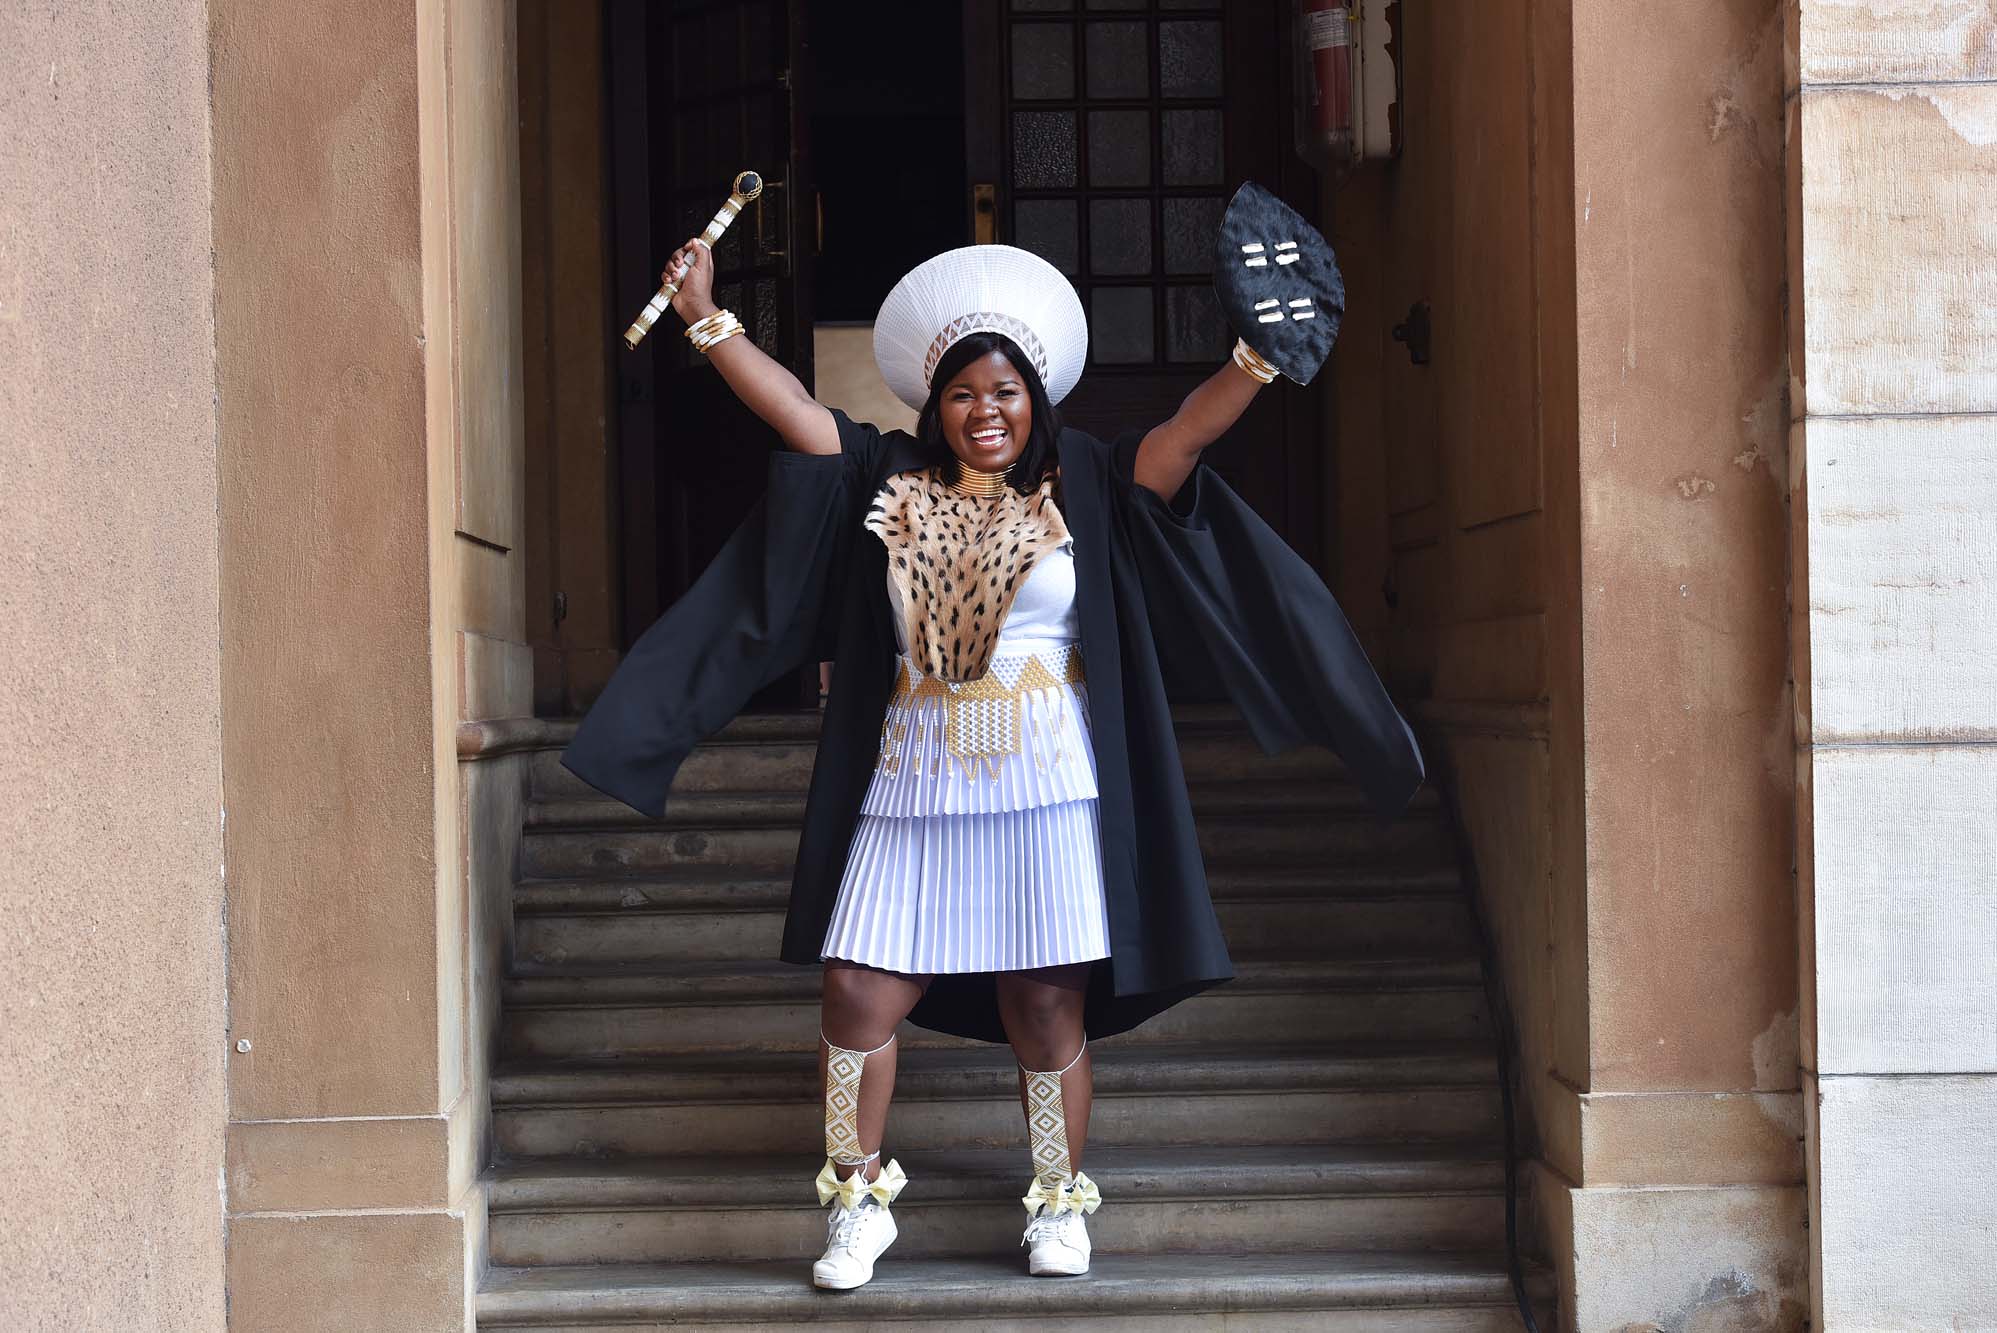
747, 186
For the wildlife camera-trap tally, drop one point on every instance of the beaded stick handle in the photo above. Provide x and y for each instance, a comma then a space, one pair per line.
747, 186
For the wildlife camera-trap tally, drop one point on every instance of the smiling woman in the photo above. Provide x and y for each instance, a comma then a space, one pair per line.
1007, 601
990, 416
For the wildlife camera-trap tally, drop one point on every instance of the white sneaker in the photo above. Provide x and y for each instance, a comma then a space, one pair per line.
1060, 1244
854, 1238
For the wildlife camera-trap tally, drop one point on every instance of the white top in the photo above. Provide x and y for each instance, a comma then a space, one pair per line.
1042, 614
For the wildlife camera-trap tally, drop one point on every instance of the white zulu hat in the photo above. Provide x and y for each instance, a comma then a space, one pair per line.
973, 289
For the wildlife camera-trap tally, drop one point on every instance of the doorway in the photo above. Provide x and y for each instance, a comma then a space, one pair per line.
1104, 135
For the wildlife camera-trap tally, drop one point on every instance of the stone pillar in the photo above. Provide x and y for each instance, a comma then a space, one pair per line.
1893, 251
368, 344
111, 995
1674, 1193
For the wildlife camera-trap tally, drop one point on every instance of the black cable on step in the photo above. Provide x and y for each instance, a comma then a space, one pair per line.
1506, 1037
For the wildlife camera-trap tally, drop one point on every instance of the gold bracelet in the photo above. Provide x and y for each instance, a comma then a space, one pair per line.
709, 344
728, 328
715, 328
1246, 357
707, 324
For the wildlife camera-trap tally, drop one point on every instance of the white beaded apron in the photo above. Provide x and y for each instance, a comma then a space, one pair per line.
978, 846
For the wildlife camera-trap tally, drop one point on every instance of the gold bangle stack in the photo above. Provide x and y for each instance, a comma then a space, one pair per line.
1245, 357
718, 327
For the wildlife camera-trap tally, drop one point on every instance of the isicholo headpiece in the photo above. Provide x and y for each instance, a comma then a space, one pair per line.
973, 289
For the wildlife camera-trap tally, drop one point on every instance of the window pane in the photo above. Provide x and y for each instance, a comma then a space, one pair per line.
1119, 148
1043, 60
1032, 5
1047, 227
1195, 328
1043, 149
1119, 64
1191, 225
1120, 235
1189, 58
1120, 325
1192, 148
1116, 4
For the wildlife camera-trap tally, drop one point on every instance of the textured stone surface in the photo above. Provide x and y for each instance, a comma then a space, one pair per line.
1694, 1138
1900, 249
1895, 510
1683, 542
111, 1009
1715, 1260
1909, 1220
327, 689
1896, 41
1382, 1293
1902, 579
302, 1165
1428, 1197
348, 1272
1905, 909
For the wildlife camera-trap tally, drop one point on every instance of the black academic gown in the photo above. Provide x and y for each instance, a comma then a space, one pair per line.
1198, 599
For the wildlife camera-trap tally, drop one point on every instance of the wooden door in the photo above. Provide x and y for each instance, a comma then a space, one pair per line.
1110, 135
701, 90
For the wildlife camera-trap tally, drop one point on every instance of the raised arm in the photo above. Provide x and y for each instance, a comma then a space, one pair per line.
763, 384
1167, 454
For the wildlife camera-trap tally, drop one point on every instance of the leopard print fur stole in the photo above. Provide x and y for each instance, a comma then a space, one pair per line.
957, 560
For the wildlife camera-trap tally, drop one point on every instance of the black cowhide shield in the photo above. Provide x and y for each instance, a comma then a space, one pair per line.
1278, 281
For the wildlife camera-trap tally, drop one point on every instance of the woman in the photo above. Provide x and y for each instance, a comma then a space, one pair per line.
1007, 602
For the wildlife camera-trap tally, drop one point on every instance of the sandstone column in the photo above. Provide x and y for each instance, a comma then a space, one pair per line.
111, 1001
368, 343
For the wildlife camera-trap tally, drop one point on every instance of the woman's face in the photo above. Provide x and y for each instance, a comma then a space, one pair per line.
987, 413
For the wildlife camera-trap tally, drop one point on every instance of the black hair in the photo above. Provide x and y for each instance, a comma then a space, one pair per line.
1037, 459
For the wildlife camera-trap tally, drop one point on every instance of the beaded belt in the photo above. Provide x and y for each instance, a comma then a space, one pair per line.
985, 720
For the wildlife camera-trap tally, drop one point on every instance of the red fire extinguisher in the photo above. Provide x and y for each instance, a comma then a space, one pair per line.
1328, 40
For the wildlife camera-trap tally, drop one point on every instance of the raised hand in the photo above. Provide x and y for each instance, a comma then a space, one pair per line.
693, 265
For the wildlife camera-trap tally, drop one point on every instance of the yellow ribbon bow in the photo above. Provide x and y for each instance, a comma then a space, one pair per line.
1078, 1195
854, 1188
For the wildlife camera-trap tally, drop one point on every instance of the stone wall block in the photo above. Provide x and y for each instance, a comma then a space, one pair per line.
1896, 41
1905, 908
349, 1272
1712, 1260
1900, 241
1902, 578
1909, 1220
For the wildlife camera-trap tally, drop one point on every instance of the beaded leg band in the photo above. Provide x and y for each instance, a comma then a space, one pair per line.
1057, 1186
843, 1071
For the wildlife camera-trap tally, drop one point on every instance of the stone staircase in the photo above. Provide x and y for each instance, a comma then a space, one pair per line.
1313, 1145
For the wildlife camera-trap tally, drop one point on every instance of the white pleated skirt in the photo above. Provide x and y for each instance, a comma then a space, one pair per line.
978, 847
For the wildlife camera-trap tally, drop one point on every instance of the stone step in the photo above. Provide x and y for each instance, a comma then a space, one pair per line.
760, 806
696, 917
580, 1014
1302, 837
1193, 1199
1317, 1289
775, 752
967, 1097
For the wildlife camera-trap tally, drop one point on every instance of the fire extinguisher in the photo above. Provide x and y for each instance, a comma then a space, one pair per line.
1329, 43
